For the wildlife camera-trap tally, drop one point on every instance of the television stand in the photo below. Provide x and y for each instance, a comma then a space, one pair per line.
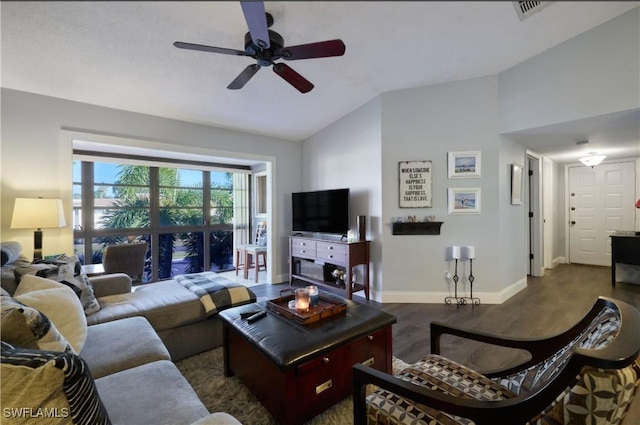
314, 259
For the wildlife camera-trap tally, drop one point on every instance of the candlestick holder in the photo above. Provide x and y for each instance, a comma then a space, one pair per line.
459, 300
474, 301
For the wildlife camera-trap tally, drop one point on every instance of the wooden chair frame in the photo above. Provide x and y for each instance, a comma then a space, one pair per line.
251, 254
619, 353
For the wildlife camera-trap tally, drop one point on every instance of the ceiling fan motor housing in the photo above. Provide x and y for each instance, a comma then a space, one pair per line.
265, 57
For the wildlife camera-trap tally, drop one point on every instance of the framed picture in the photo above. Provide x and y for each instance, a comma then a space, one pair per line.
415, 184
464, 165
516, 184
464, 200
260, 194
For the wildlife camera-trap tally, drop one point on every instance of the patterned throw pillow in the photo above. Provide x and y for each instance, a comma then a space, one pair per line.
66, 270
58, 385
59, 303
44, 332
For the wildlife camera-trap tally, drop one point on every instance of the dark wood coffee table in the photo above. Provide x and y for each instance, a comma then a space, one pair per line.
298, 371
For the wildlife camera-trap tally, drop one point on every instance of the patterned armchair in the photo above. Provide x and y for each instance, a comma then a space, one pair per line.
585, 375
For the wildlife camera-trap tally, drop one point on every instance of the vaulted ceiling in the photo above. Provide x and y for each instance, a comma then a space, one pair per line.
121, 55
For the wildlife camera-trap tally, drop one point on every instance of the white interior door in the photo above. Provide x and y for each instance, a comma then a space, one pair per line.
601, 201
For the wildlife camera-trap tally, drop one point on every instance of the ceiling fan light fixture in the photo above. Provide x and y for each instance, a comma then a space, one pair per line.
592, 159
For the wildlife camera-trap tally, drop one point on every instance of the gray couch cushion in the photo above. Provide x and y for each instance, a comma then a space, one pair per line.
165, 305
155, 393
122, 344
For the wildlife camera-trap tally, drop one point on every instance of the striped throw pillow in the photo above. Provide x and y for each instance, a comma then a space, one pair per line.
53, 387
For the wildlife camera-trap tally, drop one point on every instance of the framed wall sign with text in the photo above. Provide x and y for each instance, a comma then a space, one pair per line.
415, 184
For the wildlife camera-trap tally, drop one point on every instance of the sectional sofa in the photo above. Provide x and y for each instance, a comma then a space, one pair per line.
113, 366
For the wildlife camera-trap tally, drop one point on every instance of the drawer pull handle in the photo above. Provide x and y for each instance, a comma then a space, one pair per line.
330, 255
325, 359
304, 251
330, 247
370, 337
325, 386
368, 362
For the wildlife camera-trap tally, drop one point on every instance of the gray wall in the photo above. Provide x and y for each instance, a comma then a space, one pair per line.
595, 73
36, 159
362, 151
347, 154
425, 124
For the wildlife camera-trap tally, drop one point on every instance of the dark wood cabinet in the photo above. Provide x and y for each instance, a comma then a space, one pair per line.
625, 248
294, 395
313, 260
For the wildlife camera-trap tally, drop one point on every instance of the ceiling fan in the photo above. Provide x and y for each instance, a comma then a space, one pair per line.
267, 46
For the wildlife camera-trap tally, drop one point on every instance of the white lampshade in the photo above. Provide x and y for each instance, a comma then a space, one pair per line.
37, 213
469, 252
592, 160
455, 252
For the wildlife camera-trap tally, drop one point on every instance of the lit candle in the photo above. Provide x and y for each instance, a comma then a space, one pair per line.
302, 300
313, 295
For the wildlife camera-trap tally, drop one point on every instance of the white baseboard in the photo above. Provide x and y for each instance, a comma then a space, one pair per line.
558, 260
406, 297
284, 277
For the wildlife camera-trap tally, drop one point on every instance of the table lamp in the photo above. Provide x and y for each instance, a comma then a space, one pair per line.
37, 213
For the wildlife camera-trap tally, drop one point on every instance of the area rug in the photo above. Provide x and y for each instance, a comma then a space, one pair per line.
220, 394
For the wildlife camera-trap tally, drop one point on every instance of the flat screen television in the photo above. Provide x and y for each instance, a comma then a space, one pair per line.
321, 211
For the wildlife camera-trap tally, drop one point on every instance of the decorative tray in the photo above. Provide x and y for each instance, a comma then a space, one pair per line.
327, 307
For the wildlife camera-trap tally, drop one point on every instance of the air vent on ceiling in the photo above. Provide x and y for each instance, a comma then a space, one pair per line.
528, 8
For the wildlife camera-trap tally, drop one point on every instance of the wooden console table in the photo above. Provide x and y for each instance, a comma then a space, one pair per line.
625, 248
343, 255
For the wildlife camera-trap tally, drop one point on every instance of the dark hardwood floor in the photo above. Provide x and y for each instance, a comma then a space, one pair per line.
548, 305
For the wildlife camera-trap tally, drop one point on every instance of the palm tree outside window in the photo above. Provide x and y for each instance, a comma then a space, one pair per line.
185, 215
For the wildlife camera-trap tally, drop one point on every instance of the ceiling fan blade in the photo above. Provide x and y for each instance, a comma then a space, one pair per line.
292, 77
212, 49
321, 49
244, 77
256, 18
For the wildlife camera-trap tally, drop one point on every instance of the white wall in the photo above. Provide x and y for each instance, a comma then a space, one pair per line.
347, 154
36, 159
592, 74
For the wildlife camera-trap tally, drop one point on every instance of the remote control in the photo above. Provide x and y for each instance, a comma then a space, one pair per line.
256, 316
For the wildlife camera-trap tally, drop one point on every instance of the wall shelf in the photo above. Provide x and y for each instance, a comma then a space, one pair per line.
424, 228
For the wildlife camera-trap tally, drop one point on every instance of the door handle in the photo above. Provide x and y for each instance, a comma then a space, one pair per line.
573, 222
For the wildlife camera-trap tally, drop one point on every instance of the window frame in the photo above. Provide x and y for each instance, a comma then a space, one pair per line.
85, 211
